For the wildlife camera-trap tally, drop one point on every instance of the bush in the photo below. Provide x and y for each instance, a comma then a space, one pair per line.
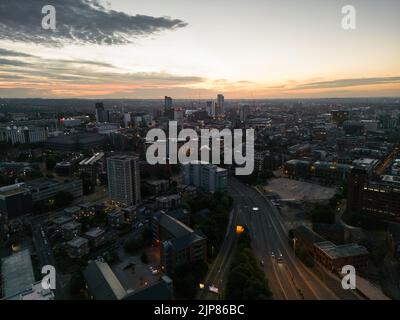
144, 257
305, 257
322, 213
187, 277
246, 281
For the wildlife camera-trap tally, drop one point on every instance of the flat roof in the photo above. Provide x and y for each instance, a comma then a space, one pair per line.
72, 209
95, 232
71, 225
102, 282
36, 292
89, 161
77, 242
172, 225
342, 251
62, 220
13, 190
17, 273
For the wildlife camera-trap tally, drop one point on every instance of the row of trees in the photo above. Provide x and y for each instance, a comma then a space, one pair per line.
246, 281
186, 279
213, 224
257, 177
133, 243
60, 200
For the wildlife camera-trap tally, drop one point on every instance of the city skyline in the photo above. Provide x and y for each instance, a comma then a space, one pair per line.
128, 49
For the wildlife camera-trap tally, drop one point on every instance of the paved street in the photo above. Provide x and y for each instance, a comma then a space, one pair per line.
287, 280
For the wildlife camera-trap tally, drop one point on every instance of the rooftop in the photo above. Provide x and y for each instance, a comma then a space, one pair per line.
71, 225
95, 232
17, 273
36, 292
13, 189
308, 234
159, 291
172, 225
77, 242
102, 282
92, 160
185, 241
62, 220
342, 251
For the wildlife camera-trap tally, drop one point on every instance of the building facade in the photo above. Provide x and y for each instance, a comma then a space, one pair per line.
15, 201
124, 179
208, 177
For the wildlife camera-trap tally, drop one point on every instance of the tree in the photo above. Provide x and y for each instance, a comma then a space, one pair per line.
322, 214
144, 257
63, 199
51, 161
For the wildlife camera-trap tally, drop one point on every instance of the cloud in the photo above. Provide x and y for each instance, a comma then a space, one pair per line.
78, 21
15, 63
342, 83
10, 53
63, 77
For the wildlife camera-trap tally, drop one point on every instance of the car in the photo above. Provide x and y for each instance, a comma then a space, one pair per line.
49, 253
273, 255
262, 262
213, 289
256, 208
279, 260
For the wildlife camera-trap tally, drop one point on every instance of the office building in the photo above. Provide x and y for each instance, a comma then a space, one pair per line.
179, 244
179, 115
331, 256
15, 201
211, 109
103, 284
208, 177
167, 103
116, 218
220, 104
78, 247
378, 198
168, 202
16, 273
168, 111
71, 230
96, 237
244, 112
34, 293
75, 142
91, 167
101, 114
23, 135
43, 188
124, 179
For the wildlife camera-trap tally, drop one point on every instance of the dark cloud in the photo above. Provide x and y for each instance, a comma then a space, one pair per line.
10, 53
88, 72
340, 83
15, 63
78, 21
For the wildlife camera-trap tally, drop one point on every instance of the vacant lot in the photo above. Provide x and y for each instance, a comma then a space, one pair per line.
299, 190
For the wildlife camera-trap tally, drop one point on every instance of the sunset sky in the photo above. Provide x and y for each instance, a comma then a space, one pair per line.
198, 48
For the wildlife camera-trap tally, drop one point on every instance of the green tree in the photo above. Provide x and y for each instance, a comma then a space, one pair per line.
63, 199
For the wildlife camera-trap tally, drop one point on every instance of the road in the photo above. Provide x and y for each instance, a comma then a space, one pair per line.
46, 256
219, 268
289, 280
